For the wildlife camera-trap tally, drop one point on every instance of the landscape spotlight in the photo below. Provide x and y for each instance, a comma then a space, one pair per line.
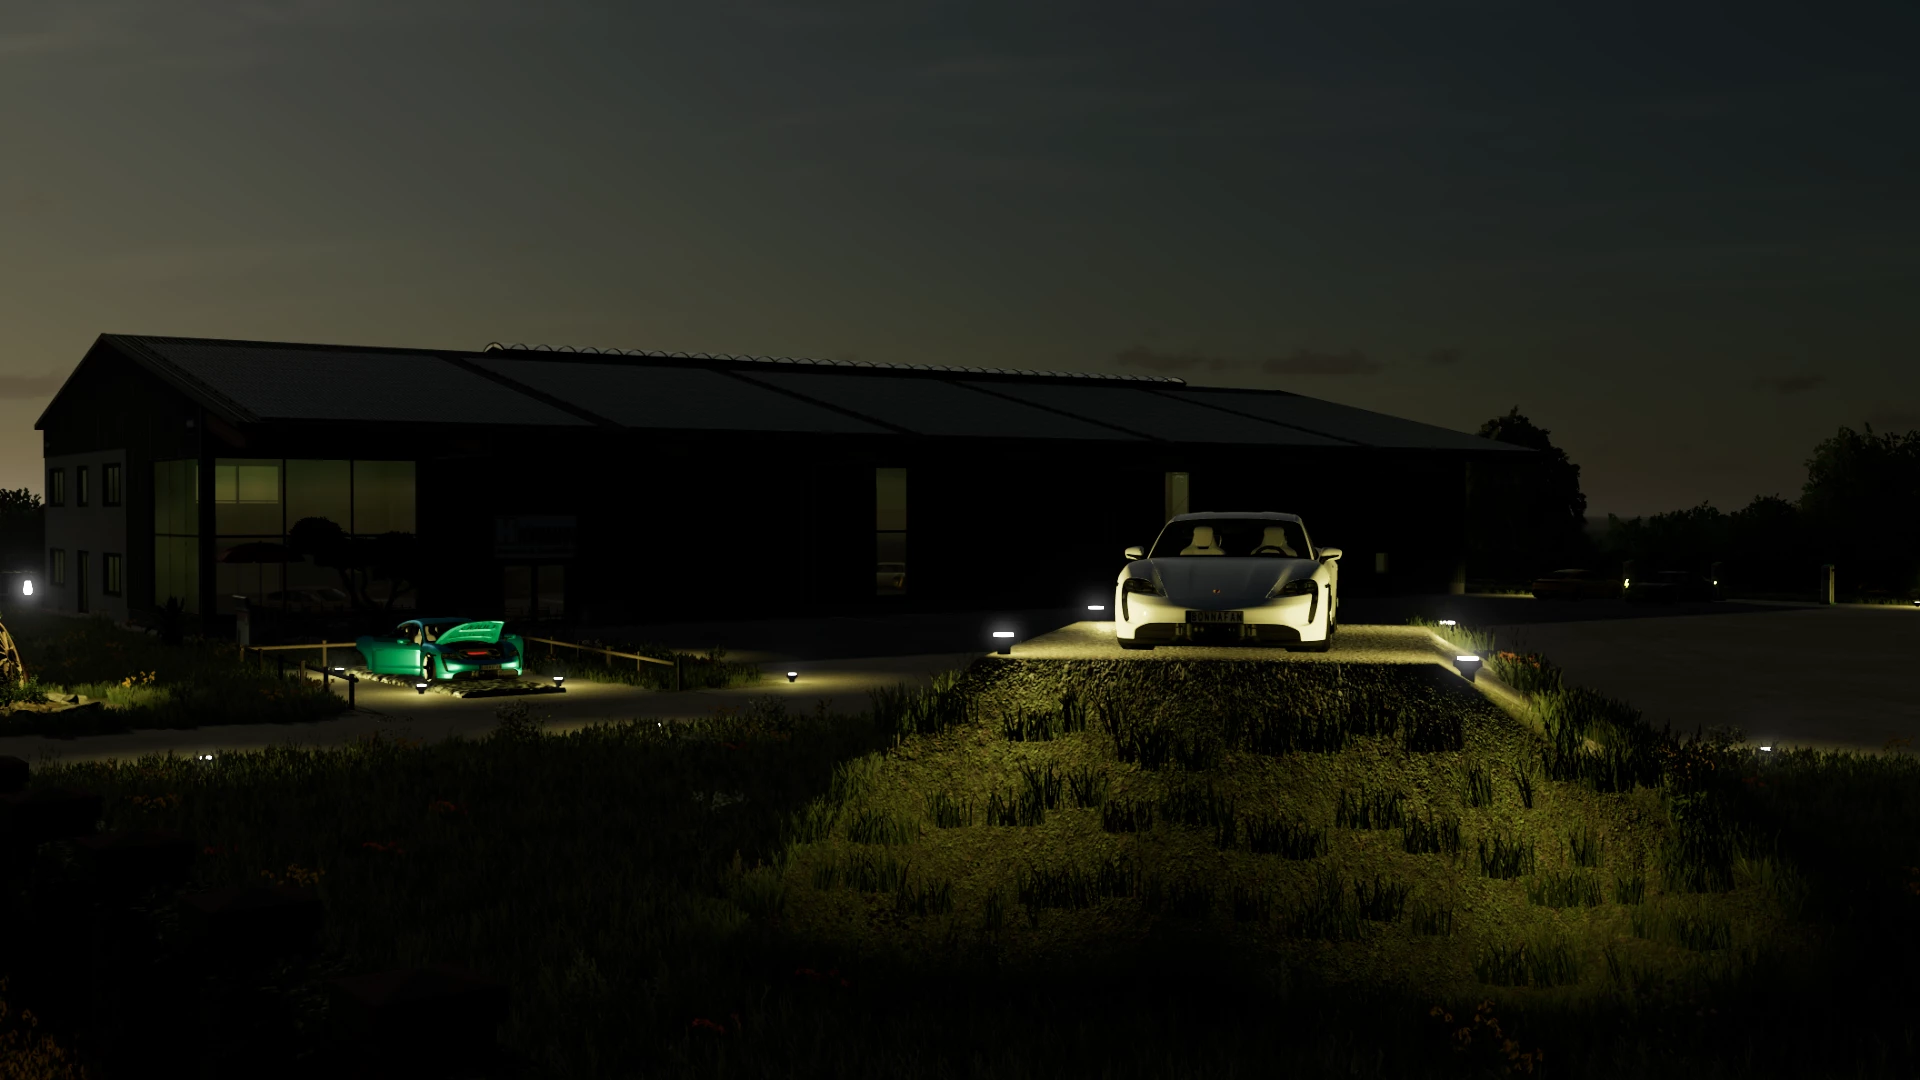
1468, 663
419, 688
1448, 622
558, 679
792, 675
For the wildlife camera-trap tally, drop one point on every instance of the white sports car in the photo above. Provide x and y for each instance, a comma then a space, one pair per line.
1229, 579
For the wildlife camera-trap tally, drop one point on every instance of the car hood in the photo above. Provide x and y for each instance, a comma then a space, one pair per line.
1223, 581
483, 630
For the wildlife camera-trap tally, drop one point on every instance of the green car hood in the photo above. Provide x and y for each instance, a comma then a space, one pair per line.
471, 631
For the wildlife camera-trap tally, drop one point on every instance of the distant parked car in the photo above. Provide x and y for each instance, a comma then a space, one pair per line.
1669, 586
435, 649
1577, 585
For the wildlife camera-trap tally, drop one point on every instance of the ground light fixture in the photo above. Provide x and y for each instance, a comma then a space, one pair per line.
1096, 607
1448, 622
203, 757
1468, 663
1004, 638
558, 679
420, 688
1768, 749
792, 675
26, 589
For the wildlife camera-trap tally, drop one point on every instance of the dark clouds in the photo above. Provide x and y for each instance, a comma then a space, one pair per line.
1300, 362
1790, 384
16, 387
1445, 357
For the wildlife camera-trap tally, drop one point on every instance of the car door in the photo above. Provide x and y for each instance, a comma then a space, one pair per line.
399, 651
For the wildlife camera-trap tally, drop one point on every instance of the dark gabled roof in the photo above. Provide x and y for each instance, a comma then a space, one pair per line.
252, 382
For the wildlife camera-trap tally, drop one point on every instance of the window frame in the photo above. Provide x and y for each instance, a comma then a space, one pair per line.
79, 485
57, 567
113, 571
112, 477
57, 486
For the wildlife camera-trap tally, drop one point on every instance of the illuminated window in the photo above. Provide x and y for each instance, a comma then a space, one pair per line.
1379, 562
890, 531
110, 573
246, 497
57, 566
1177, 502
110, 485
56, 487
80, 485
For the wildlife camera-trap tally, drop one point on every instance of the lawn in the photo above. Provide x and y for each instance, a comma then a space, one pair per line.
1092, 869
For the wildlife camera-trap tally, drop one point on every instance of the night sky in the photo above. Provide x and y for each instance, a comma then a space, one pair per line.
1687, 245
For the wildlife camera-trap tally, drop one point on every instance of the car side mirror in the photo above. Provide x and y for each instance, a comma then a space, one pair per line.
1329, 554
1136, 553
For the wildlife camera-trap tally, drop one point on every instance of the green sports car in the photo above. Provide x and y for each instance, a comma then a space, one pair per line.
444, 648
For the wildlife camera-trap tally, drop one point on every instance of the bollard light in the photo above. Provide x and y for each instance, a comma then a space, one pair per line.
26, 588
1004, 638
420, 688
1096, 607
558, 679
1448, 622
792, 675
341, 670
1768, 749
1468, 663
204, 757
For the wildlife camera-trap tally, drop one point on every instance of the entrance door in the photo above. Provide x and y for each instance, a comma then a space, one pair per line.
80, 579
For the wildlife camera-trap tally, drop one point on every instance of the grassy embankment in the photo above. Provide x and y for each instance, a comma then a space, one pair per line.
1126, 869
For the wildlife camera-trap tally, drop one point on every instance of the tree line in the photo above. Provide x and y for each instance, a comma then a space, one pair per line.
1859, 509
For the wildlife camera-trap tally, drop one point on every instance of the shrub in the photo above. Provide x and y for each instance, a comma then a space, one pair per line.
1437, 834
1503, 856
1479, 787
1369, 810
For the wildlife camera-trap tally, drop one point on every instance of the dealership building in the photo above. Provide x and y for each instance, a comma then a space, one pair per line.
618, 487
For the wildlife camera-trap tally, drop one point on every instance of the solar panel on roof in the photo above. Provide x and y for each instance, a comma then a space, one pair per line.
1331, 418
350, 385
674, 397
1144, 411
934, 406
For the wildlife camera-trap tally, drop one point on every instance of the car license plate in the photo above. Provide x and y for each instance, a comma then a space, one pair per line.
1215, 616
491, 670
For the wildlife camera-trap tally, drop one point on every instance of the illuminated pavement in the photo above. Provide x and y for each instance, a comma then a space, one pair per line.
1351, 644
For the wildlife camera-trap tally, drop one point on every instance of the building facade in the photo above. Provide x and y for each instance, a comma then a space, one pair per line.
606, 488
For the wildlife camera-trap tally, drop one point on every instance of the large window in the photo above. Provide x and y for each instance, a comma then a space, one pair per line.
56, 487
534, 591
246, 497
110, 493
57, 566
1177, 501
890, 531
80, 485
382, 497
110, 572
176, 533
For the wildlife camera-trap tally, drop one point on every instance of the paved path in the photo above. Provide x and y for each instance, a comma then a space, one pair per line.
394, 710
1351, 644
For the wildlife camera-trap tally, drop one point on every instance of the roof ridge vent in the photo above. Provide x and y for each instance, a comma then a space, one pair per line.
872, 365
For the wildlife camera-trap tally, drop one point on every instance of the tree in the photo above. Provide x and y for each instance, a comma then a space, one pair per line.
23, 530
392, 557
1862, 500
1524, 515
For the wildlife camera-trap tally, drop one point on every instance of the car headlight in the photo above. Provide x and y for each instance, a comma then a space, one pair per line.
1143, 585
1296, 587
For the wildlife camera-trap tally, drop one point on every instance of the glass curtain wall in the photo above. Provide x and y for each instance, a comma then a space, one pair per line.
257, 502
890, 531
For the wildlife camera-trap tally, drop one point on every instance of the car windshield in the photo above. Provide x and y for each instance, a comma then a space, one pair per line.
1263, 537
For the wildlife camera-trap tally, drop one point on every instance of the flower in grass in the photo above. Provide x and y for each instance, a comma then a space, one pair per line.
701, 1023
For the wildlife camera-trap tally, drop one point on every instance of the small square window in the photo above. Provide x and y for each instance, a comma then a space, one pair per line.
110, 485
111, 565
57, 566
56, 487
80, 485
